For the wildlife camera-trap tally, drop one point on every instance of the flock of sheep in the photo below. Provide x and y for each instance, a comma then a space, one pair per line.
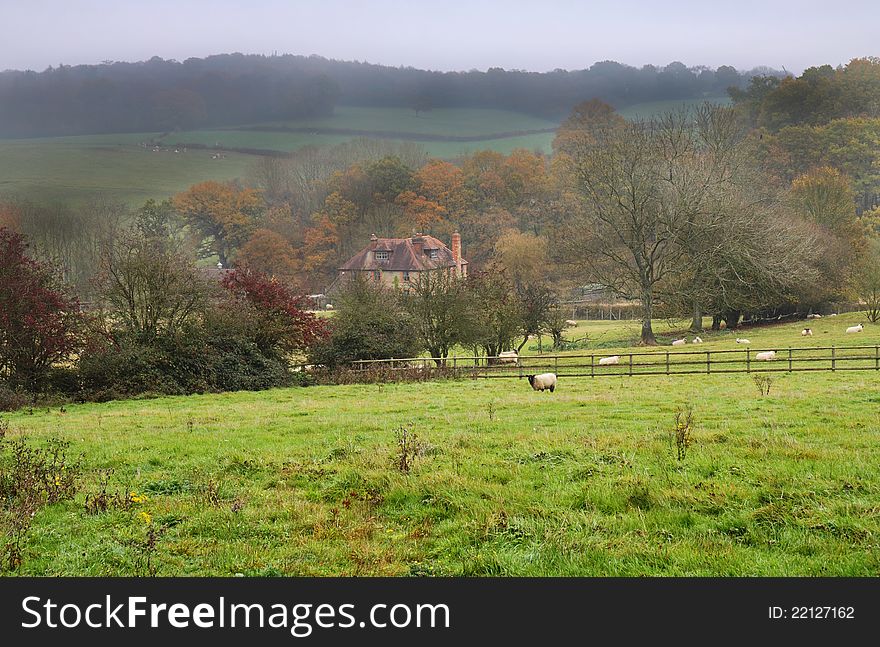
548, 381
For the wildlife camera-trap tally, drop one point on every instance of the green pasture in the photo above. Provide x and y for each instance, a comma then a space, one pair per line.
504, 480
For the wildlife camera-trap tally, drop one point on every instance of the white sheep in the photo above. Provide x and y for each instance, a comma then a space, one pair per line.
807, 332
606, 361
543, 381
679, 342
571, 322
814, 316
742, 341
508, 357
697, 340
766, 355
329, 306
855, 328
833, 314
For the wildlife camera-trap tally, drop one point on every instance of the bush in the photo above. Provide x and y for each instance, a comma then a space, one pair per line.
10, 399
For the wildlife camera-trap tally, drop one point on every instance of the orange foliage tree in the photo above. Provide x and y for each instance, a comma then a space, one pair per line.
221, 215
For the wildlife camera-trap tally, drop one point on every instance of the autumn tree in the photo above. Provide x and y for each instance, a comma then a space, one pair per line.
524, 257
868, 282
268, 252
39, 322
276, 319
221, 215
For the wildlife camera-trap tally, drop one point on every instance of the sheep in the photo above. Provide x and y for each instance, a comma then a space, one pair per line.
508, 357
543, 381
766, 355
814, 316
697, 340
807, 332
329, 306
855, 328
679, 342
833, 314
605, 361
571, 322
742, 341
722, 325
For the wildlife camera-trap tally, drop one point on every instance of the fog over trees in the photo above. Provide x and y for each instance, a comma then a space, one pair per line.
228, 89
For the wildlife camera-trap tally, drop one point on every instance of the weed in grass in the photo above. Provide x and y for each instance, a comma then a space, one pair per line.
763, 383
681, 434
409, 447
490, 409
30, 478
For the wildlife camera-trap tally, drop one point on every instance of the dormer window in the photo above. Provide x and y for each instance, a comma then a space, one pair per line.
432, 253
383, 255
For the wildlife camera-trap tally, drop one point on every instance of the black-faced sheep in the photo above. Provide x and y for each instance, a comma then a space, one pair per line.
543, 381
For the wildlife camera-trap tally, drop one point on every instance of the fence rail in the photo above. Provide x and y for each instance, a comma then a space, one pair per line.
662, 362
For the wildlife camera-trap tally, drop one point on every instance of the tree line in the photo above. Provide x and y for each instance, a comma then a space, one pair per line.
231, 89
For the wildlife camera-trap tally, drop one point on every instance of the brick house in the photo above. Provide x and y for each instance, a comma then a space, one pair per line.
399, 261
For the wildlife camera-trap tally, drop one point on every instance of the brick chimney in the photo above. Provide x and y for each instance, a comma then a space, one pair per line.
456, 251
373, 240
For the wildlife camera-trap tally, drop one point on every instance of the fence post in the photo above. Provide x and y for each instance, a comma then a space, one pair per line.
748, 362
876, 358
708, 362
630, 364
556, 364
592, 366
789, 359
667, 362
833, 359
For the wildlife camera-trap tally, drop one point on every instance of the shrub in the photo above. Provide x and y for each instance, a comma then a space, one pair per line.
39, 322
10, 399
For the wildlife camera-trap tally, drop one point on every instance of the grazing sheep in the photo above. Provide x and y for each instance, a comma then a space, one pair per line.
742, 341
571, 322
833, 314
855, 328
722, 325
329, 306
807, 332
679, 342
543, 381
605, 361
814, 316
697, 340
508, 357
766, 355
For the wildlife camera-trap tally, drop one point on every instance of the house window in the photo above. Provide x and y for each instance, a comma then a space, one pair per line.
406, 277
432, 253
383, 255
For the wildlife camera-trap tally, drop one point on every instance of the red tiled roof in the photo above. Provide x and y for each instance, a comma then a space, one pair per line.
406, 254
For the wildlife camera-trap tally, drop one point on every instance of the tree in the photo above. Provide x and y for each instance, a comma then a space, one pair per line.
630, 182
496, 311
148, 288
40, 323
370, 323
270, 253
221, 215
868, 282
439, 308
524, 257
277, 319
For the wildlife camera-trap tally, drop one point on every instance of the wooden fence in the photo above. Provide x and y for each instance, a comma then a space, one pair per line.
663, 362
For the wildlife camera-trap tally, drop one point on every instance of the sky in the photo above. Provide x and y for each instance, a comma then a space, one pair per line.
537, 35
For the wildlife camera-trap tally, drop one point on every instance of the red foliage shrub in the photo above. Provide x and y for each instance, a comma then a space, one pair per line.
39, 323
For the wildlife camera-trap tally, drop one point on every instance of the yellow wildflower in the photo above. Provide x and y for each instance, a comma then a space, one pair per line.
146, 517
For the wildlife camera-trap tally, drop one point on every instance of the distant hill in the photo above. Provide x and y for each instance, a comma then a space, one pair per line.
230, 89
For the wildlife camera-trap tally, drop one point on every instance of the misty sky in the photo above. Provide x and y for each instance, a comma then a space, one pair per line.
451, 35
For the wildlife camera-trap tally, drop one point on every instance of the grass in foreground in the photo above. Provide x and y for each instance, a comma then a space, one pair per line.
504, 481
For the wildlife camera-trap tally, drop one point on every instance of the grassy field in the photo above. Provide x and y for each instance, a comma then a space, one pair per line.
74, 169
651, 108
505, 480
